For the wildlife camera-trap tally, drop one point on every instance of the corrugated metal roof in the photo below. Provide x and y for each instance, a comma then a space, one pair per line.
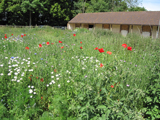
128, 18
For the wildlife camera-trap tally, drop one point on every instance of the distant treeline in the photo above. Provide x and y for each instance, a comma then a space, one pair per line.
57, 12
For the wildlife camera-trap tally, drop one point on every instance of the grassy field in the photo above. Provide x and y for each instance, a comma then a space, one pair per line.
58, 74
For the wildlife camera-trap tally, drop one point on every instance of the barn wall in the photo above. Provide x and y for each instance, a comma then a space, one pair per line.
136, 29
145, 34
98, 26
84, 26
124, 32
124, 29
70, 26
106, 26
116, 28
146, 31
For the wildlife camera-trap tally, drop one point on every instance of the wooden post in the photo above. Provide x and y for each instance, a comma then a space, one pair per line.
151, 30
111, 27
158, 29
120, 28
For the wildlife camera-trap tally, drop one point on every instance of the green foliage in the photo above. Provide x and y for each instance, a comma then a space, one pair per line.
74, 85
137, 9
100, 32
59, 12
152, 99
3, 110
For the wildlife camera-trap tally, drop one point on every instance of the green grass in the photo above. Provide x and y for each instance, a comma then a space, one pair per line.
68, 83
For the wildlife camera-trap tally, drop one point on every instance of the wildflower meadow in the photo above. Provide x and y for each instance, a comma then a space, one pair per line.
53, 74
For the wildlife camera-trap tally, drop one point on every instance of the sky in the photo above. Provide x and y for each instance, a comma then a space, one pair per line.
151, 5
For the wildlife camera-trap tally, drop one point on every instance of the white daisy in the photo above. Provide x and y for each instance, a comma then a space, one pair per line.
9, 74
16, 73
30, 91
53, 81
52, 76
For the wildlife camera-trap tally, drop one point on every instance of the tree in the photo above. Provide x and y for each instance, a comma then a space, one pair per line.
121, 6
100, 6
80, 6
137, 9
61, 12
32, 6
133, 3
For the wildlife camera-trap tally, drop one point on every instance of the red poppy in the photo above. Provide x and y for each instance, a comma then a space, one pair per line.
80, 47
47, 43
41, 79
96, 48
27, 48
124, 45
60, 41
21, 35
5, 37
101, 50
37, 77
5, 34
40, 45
109, 52
41, 97
101, 65
12, 34
74, 35
52, 43
24, 34
81, 42
130, 48
112, 86
55, 70
62, 47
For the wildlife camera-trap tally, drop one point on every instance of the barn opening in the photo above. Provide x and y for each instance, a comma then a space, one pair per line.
146, 31
124, 30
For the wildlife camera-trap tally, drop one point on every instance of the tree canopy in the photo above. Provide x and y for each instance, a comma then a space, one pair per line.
57, 12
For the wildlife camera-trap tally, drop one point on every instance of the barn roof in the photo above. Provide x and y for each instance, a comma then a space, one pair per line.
128, 18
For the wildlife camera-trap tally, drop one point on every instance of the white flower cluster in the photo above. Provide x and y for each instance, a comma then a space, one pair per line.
32, 90
83, 60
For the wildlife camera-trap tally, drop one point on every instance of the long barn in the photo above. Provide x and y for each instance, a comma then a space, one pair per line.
145, 23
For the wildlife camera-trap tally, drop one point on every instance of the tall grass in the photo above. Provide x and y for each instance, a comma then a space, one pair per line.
63, 81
